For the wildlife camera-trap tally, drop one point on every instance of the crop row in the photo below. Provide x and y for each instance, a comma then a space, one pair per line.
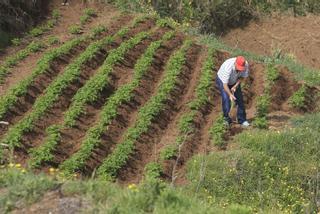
263, 101
202, 94
34, 46
71, 73
43, 65
109, 110
88, 93
149, 111
20, 55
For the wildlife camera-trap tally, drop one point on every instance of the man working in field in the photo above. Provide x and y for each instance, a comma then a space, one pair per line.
230, 75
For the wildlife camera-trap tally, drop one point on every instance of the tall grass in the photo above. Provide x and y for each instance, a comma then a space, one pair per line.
271, 170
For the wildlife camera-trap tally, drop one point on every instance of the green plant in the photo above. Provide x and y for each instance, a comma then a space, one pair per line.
74, 29
44, 152
90, 90
56, 14
262, 105
217, 132
260, 122
52, 92
120, 154
16, 41
168, 152
263, 101
11, 97
152, 170
298, 99
98, 30
13, 60
90, 12
53, 40
35, 32
167, 22
109, 110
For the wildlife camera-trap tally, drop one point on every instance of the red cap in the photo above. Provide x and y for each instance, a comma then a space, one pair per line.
240, 63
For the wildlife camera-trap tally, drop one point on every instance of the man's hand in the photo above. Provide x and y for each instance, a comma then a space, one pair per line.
232, 97
234, 88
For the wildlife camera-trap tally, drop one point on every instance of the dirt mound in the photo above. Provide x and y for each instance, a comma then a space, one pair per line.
297, 36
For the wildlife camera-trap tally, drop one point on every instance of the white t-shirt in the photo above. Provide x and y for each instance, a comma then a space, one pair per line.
228, 74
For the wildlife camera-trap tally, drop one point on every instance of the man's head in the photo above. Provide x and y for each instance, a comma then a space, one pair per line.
240, 64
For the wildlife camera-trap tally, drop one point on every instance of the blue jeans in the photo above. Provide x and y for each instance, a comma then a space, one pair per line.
226, 103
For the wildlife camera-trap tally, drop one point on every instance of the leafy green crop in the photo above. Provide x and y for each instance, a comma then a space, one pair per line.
87, 90
123, 94
121, 153
263, 101
217, 131
11, 97
186, 121
298, 99
13, 60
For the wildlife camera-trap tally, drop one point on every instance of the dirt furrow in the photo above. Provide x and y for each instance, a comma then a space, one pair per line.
144, 148
127, 112
199, 142
55, 114
37, 88
68, 17
72, 137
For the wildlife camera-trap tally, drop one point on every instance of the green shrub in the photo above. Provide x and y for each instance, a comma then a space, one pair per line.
298, 99
90, 12
35, 32
169, 152
53, 40
56, 14
260, 122
75, 29
217, 132
98, 30
152, 170
16, 41
262, 105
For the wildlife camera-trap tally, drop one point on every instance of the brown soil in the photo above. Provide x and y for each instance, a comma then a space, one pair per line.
122, 74
55, 115
69, 16
37, 88
298, 36
128, 111
145, 146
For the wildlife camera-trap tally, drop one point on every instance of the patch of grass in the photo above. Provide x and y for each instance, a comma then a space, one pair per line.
270, 171
21, 187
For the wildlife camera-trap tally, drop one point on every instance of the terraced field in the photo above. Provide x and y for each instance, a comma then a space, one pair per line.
136, 98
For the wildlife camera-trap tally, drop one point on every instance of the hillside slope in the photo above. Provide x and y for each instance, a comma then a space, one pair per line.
125, 99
